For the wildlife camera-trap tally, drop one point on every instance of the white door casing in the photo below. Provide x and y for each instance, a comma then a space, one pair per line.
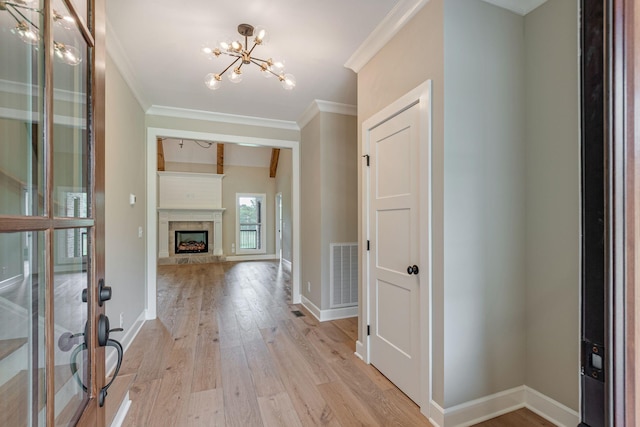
397, 218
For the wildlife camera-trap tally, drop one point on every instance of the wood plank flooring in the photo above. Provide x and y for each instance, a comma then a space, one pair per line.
226, 350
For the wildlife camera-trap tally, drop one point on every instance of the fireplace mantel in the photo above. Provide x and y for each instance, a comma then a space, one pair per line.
166, 215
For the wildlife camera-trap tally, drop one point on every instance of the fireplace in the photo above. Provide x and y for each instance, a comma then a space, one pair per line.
191, 241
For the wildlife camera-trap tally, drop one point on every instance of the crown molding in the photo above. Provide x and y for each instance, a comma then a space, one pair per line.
116, 52
184, 113
318, 106
401, 13
521, 7
26, 89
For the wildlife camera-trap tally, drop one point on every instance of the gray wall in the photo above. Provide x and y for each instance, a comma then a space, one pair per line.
553, 204
125, 254
284, 178
483, 200
329, 197
505, 191
311, 210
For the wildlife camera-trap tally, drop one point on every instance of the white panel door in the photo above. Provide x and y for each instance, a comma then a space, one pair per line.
393, 222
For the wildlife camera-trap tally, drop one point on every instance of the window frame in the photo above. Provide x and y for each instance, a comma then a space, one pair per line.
263, 221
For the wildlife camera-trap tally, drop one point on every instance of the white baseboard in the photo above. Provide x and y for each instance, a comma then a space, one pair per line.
286, 263
550, 409
436, 414
122, 412
359, 350
330, 314
127, 339
251, 257
479, 410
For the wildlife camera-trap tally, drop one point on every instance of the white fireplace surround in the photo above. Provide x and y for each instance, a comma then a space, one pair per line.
190, 197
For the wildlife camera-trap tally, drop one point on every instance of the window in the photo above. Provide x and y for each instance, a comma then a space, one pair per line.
250, 223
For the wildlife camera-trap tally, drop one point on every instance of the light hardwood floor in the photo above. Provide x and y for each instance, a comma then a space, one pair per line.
227, 350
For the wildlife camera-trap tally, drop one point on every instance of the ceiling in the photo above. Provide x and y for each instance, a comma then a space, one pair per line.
157, 45
206, 153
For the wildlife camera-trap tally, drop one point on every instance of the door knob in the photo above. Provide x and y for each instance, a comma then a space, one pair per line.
413, 269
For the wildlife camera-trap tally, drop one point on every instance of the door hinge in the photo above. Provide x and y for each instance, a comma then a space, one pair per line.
368, 245
368, 330
367, 156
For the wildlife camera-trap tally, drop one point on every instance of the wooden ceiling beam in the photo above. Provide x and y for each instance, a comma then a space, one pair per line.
220, 161
160, 155
273, 168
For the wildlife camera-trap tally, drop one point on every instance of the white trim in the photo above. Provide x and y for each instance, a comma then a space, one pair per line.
278, 223
127, 339
11, 281
263, 224
34, 116
29, 90
359, 350
521, 7
331, 314
421, 95
122, 411
547, 408
485, 408
251, 257
286, 263
402, 13
436, 414
318, 106
152, 187
121, 61
210, 116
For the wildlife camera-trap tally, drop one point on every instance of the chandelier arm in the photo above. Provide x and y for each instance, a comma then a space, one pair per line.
21, 6
265, 69
230, 65
253, 47
259, 59
13, 15
25, 18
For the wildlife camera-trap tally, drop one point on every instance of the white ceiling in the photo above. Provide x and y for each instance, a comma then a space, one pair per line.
156, 43
190, 151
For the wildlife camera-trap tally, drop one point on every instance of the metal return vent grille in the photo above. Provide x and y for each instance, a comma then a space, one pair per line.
344, 274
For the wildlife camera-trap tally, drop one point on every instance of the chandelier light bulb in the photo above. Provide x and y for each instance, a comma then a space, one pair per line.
278, 67
261, 35
236, 46
207, 50
67, 54
236, 76
65, 21
27, 34
288, 81
213, 81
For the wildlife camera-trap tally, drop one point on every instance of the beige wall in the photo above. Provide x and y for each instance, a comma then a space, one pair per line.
339, 191
284, 178
553, 204
243, 179
379, 84
484, 216
504, 241
329, 198
311, 210
125, 254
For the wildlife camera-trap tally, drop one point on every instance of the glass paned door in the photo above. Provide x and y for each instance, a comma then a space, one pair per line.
50, 249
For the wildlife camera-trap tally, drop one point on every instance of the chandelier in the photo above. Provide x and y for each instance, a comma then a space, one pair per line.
244, 56
29, 32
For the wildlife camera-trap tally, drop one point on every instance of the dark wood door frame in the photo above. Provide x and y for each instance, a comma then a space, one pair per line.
611, 211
